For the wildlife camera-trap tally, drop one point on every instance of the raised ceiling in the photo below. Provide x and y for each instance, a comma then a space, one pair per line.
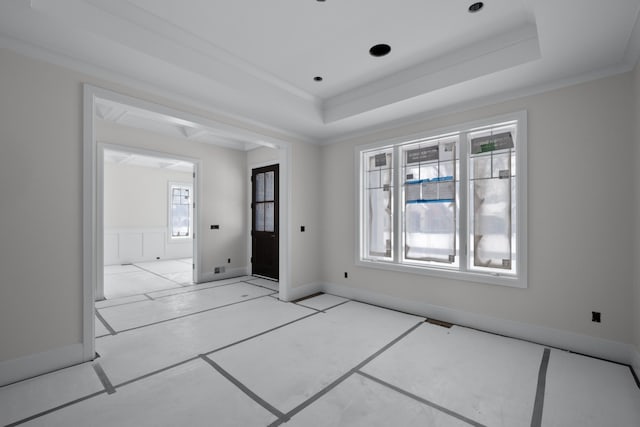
256, 60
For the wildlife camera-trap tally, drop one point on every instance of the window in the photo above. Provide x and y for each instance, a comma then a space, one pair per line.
180, 211
451, 204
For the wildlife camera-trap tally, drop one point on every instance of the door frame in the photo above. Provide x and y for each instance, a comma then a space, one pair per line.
92, 240
197, 166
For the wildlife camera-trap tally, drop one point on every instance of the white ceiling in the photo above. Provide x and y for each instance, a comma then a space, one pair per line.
255, 60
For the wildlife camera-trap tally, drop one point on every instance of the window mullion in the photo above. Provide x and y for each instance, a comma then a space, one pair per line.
464, 191
398, 213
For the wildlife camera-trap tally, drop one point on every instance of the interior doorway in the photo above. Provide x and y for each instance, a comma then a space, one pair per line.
265, 218
93, 240
148, 222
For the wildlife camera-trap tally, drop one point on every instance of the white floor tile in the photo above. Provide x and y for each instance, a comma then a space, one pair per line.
288, 366
131, 354
196, 287
165, 266
29, 397
489, 379
193, 394
264, 282
121, 300
322, 302
186, 260
183, 277
117, 269
359, 402
100, 330
126, 284
586, 392
128, 316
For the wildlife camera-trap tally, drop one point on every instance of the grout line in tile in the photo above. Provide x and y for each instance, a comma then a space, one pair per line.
259, 334
104, 379
189, 314
536, 417
335, 383
260, 286
157, 371
159, 275
149, 297
208, 353
105, 323
57, 408
337, 305
246, 390
421, 400
199, 289
310, 308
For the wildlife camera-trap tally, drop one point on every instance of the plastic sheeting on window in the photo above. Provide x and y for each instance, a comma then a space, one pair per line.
430, 201
491, 186
379, 199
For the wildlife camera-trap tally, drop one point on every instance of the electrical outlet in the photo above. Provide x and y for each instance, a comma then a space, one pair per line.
216, 270
595, 316
346, 275
228, 260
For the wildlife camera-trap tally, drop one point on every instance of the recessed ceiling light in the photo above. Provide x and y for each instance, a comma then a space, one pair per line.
476, 7
318, 78
380, 50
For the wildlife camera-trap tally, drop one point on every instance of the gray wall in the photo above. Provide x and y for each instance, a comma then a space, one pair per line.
580, 245
41, 210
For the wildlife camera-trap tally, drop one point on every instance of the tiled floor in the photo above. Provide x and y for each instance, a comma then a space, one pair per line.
143, 277
230, 354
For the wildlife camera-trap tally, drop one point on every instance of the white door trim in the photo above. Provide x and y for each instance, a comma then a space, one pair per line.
92, 237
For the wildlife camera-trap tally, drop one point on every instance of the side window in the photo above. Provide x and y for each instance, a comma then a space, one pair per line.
180, 211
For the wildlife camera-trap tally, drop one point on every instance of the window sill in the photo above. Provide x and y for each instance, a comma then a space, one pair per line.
489, 279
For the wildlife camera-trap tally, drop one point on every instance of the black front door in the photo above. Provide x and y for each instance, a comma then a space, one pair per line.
265, 221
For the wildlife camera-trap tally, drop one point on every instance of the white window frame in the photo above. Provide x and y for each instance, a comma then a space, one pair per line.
461, 272
170, 237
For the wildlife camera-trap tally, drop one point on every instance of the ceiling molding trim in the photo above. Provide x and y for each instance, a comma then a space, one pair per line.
188, 40
95, 72
504, 51
485, 101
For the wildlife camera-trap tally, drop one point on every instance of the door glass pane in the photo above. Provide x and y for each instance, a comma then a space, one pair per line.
259, 187
259, 217
269, 220
269, 186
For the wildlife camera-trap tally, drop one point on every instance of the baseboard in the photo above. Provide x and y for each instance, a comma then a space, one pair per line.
228, 274
585, 344
41, 363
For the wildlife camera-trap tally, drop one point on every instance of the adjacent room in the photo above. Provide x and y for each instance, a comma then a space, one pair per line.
320, 213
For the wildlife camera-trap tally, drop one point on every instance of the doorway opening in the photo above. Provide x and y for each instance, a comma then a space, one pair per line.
148, 222
97, 104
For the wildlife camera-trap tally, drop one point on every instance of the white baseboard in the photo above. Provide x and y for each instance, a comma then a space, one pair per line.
37, 364
229, 273
592, 346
